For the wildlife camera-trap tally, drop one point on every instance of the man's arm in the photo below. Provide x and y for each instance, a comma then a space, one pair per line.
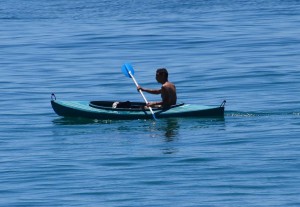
152, 91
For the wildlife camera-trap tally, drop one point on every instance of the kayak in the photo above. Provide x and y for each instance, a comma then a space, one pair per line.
117, 110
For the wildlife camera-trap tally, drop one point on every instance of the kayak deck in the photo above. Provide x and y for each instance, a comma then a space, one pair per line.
104, 110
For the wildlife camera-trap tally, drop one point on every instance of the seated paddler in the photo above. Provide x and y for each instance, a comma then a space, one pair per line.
167, 90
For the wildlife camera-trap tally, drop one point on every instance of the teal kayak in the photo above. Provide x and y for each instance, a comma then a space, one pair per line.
112, 110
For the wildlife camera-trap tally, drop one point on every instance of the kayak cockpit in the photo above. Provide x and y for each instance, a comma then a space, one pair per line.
124, 106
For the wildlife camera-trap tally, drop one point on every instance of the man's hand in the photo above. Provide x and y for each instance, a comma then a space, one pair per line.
154, 104
139, 88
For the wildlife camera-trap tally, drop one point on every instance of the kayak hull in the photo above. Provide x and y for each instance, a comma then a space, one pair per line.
85, 109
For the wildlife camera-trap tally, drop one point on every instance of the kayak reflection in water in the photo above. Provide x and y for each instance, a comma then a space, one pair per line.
167, 90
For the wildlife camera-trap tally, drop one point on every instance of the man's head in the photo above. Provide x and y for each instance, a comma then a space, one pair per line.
162, 75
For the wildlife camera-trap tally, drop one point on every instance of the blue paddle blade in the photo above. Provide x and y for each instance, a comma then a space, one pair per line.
126, 68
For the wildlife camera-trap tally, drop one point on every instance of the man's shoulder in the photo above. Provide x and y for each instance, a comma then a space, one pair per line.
168, 84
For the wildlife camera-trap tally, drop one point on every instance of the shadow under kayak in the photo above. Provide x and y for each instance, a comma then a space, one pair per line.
131, 110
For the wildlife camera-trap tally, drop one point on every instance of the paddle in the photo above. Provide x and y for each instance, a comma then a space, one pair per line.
128, 71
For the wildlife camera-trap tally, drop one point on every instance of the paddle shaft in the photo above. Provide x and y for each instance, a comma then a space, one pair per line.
141, 92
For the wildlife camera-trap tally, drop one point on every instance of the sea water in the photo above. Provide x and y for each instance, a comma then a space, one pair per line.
246, 52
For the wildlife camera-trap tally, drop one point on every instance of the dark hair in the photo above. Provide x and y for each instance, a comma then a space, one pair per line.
162, 71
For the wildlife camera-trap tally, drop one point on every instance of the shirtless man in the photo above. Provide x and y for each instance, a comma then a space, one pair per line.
167, 90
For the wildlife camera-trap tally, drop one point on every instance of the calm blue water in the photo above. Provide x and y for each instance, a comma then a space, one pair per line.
246, 52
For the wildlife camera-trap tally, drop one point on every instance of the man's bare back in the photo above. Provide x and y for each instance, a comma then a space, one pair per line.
168, 94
